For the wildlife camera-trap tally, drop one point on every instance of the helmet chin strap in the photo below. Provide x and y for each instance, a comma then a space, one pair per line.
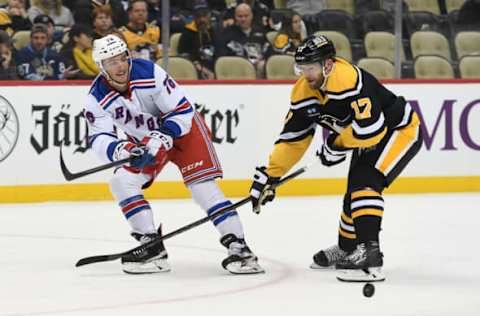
326, 75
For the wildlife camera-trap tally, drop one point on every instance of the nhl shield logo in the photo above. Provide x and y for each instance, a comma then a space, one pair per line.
9, 128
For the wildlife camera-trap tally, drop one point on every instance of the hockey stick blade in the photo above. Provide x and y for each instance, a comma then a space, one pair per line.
69, 176
103, 258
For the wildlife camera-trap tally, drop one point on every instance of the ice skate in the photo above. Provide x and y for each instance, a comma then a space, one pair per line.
327, 258
241, 259
151, 259
364, 264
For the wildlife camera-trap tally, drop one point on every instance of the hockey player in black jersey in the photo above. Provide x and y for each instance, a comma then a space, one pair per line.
380, 130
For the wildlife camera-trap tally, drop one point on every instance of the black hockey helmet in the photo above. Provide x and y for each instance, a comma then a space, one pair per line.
314, 49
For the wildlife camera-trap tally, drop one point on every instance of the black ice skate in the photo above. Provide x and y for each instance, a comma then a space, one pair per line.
241, 259
327, 258
364, 264
150, 259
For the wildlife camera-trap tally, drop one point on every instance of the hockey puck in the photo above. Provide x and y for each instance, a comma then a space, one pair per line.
368, 290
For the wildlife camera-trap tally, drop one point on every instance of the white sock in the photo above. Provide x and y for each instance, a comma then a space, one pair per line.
211, 199
126, 188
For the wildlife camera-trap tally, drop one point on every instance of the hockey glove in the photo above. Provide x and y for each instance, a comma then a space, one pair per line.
157, 144
125, 149
330, 154
262, 189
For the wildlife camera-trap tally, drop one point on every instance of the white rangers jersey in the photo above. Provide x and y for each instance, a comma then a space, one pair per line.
153, 101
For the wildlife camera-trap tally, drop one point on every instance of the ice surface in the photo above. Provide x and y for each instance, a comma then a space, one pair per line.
430, 244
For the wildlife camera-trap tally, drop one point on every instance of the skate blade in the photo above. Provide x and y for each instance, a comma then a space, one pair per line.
361, 275
239, 268
156, 266
315, 266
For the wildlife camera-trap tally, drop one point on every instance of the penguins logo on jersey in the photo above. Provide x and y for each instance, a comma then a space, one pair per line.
334, 123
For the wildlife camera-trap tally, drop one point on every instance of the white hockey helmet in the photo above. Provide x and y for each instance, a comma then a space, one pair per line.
106, 47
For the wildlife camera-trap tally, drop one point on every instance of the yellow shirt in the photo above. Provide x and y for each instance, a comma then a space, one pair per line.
85, 61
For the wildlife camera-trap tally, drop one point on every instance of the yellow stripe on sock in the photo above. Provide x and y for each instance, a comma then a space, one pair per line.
346, 235
346, 219
364, 193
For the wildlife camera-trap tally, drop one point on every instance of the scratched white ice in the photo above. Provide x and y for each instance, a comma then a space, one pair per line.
430, 244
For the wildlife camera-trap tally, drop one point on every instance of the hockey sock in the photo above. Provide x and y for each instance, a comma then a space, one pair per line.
346, 233
211, 199
138, 213
367, 212
126, 188
346, 230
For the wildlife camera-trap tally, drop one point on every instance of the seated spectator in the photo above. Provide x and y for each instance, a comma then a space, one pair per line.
102, 21
119, 14
244, 40
18, 14
37, 61
291, 34
197, 42
261, 13
142, 38
306, 7
177, 16
7, 63
5, 22
61, 15
55, 37
77, 53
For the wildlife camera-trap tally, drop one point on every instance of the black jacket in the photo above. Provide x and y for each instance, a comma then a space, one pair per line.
253, 46
198, 46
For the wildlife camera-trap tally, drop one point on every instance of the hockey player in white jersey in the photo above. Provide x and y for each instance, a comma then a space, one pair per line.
141, 99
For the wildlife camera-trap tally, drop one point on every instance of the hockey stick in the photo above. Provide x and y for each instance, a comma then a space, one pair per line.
69, 176
141, 248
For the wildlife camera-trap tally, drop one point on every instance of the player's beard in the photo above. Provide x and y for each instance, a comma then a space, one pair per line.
318, 83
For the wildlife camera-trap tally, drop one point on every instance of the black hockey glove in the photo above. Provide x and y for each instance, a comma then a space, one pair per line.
261, 190
330, 154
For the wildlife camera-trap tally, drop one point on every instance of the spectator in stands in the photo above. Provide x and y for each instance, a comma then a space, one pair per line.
291, 34
7, 62
102, 21
306, 7
5, 22
119, 14
77, 53
197, 42
18, 14
37, 61
142, 38
244, 40
261, 13
177, 14
55, 37
61, 15
469, 16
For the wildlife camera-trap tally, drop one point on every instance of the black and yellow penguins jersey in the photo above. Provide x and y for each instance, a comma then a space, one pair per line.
148, 38
352, 104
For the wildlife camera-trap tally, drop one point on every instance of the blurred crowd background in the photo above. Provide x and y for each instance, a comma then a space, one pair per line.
240, 39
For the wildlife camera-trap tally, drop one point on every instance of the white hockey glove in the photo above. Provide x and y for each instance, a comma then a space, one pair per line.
125, 149
330, 154
262, 189
157, 144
